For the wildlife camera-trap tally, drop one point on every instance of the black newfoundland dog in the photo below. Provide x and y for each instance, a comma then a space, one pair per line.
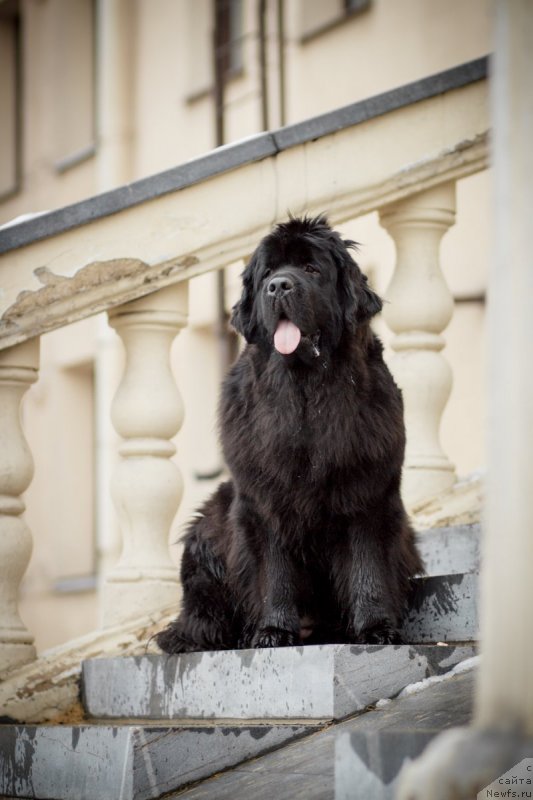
309, 541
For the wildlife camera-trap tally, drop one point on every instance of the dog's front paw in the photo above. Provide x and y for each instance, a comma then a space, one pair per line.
274, 637
204, 635
171, 640
380, 633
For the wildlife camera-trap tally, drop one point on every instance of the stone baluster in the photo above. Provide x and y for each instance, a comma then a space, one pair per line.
419, 308
18, 370
147, 412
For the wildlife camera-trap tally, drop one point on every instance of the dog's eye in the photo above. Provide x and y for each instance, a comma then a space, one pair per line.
311, 269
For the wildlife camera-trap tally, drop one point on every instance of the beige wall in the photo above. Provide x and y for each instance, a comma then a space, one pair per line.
8, 92
392, 43
56, 106
172, 119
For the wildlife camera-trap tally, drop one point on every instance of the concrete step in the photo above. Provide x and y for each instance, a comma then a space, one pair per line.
371, 751
451, 550
314, 682
129, 762
304, 770
367, 765
443, 608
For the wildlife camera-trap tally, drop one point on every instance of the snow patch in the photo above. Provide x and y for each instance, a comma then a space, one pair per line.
414, 688
462, 666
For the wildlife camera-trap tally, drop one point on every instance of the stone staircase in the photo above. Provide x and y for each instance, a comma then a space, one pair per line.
231, 722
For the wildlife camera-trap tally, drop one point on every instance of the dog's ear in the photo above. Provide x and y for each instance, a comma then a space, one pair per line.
369, 303
348, 296
360, 303
243, 317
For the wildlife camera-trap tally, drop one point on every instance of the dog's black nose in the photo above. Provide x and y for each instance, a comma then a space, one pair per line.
280, 285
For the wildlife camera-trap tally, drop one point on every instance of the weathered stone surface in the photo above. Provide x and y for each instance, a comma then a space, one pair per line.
65, 762
49, 687
443, 609
370, 755
304, 770
136, 761
130, 762
314, 682
460, 504
450, 550
367, 765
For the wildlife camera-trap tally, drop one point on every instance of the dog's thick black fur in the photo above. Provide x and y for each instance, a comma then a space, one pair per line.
309, 541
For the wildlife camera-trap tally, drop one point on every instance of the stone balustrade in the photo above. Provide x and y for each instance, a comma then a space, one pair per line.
147, 412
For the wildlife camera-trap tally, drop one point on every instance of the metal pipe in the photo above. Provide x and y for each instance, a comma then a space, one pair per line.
281, 63
263, 76
227, 341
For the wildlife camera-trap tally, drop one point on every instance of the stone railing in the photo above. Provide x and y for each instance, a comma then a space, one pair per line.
132, 251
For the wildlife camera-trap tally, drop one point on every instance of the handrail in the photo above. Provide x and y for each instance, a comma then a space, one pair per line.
71, 263
247, 151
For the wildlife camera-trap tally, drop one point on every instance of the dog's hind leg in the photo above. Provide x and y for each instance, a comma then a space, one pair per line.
206, 618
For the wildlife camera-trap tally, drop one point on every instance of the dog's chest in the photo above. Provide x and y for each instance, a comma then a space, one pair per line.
309, 426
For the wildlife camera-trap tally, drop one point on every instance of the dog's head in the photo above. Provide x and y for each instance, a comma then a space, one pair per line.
302, 290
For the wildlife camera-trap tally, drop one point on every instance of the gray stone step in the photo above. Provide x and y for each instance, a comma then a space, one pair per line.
314, 682
443, 608
97, 762
304, 770
367, 765
451, 550
371, 751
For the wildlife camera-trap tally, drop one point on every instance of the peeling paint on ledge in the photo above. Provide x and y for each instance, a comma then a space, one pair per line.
56, 288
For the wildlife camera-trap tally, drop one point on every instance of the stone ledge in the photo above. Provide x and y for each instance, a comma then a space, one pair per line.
460, 504
95, 762
312, 682
48, 688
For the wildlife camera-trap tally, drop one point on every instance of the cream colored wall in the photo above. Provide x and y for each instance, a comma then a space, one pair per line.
393, 42
388, 45
8, 133
44, 142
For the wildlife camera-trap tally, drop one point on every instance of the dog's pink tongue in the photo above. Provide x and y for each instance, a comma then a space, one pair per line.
287, 337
